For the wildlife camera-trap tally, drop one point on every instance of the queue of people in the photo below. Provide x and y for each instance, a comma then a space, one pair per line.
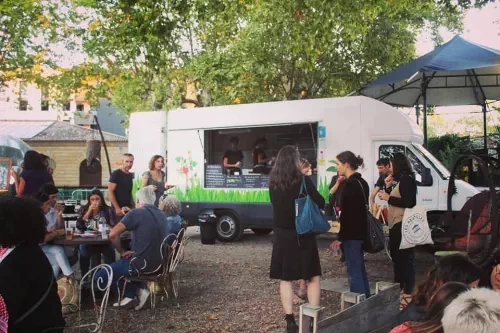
450, 286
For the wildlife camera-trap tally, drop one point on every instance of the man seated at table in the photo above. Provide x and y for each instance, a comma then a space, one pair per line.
147, 225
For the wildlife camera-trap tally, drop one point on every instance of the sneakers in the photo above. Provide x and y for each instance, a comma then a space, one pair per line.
143, 297
125, 301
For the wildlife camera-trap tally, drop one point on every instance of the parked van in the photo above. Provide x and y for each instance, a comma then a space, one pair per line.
197, 140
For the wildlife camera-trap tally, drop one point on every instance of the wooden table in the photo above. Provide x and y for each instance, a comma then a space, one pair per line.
78, 240
82, 240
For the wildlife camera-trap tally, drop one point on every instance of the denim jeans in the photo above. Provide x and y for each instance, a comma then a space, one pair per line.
90, 256
403, 260
57, 258
356, 272
120, 269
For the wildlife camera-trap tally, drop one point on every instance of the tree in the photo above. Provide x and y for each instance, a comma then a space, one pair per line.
296, 49
28, 28
251, 50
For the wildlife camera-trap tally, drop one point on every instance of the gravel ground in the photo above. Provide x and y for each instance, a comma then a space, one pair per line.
226, 288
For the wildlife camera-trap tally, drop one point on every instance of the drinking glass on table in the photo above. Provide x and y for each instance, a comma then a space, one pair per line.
69, 233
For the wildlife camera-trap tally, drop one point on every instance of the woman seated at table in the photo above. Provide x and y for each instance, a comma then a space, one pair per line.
55, 253
90, 213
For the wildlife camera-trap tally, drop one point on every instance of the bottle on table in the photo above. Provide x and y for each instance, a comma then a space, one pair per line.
103, 226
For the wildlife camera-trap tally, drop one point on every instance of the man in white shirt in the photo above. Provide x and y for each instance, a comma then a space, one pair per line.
54, 216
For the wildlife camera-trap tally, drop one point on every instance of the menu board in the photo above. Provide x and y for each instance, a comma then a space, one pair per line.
215, 178
255, 181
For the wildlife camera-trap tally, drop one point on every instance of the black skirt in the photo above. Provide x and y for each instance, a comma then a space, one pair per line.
293, 257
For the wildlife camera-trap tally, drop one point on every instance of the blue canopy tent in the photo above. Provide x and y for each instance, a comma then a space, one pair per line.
456, 73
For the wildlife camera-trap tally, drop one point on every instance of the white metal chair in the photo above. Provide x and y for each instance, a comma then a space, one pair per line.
99, 307
171, 256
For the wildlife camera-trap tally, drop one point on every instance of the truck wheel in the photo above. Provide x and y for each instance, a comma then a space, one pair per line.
262, 231
228, 227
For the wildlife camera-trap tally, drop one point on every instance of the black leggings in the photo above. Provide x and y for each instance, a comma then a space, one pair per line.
403, 260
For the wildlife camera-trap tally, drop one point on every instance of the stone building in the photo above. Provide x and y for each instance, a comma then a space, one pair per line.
66, 144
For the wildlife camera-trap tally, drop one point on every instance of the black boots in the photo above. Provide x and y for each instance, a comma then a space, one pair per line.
291, 326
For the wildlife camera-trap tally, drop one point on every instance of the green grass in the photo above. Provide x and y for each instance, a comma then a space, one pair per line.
197, 193
136, 185
323, 188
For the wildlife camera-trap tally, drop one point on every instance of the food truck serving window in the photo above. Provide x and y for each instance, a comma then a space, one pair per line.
244, 157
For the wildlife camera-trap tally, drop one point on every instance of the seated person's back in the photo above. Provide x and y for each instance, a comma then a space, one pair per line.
148, 226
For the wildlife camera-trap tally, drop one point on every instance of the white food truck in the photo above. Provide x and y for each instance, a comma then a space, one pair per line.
195, 141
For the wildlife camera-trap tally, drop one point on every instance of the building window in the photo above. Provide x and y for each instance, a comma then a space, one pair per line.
23, 105
45, 106
80, 107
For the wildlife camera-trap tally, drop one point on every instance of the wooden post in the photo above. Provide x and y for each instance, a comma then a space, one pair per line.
309, 312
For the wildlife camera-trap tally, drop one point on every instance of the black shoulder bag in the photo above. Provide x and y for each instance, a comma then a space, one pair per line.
375, 240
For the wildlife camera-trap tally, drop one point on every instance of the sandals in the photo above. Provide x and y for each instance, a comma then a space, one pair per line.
405, 299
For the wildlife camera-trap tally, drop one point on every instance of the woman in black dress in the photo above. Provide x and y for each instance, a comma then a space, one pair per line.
294, 257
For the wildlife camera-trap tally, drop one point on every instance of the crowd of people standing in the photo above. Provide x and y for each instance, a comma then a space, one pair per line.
446, 297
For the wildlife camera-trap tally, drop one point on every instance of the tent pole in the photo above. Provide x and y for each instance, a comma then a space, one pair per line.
424, 95
485, 130
417, 111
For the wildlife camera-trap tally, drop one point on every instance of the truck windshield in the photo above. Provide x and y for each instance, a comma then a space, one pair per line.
440, 168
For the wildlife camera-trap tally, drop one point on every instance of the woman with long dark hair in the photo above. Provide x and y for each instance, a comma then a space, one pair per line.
401, 193
353, 218
294, 257
27, 284
34, 174
95, 207
435, 310
452, 268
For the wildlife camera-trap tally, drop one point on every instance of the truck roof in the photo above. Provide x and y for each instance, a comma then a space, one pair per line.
380, 119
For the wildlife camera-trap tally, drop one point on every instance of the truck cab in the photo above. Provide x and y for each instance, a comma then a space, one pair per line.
431, 175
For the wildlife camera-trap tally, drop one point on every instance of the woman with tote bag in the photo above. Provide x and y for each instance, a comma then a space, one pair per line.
294, 256
401, 193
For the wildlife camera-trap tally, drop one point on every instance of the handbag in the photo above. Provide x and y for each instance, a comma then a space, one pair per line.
375, 240
415, 228
308, 217
68, 294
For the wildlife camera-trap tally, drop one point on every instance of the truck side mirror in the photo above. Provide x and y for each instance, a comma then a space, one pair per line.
426, 177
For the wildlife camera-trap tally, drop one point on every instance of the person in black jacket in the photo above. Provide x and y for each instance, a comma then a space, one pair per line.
27, 283
401, 196
353, 216
294, 257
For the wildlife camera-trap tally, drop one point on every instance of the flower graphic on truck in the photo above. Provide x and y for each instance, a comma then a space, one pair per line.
186, 166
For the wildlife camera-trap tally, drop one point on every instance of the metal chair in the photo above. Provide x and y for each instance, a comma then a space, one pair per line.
178, 256
99, 309
170, 258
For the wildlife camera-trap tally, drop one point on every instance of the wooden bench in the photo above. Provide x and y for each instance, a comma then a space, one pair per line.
373, 315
